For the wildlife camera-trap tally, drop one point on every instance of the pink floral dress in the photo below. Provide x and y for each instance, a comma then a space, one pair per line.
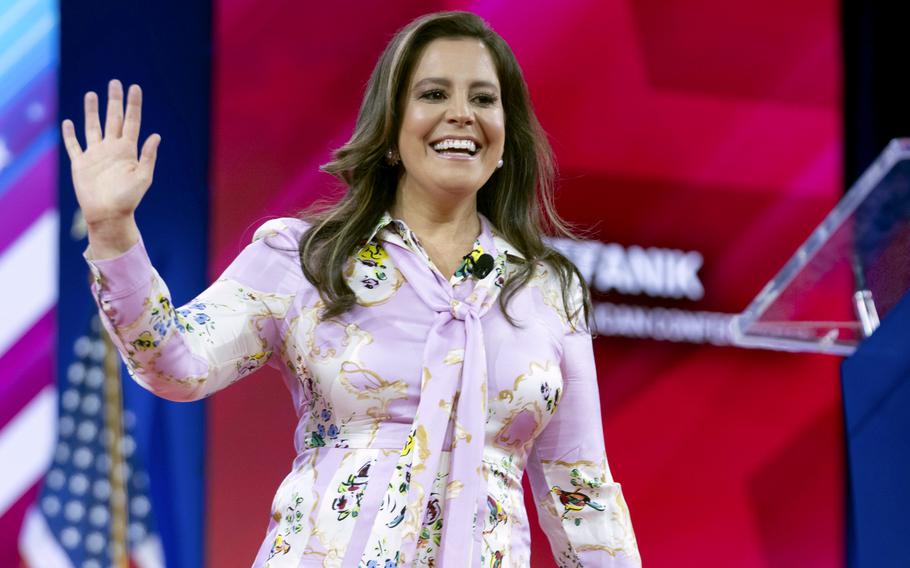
419, 410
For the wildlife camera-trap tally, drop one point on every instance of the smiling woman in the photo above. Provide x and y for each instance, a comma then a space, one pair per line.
421, 401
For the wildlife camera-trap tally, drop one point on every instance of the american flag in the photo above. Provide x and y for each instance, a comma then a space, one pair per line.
59, 504
94, 508
58, 480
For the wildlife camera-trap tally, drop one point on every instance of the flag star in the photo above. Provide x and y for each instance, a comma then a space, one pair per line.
128, 446
102, 489
140, 506
94, 377
67, 424
95, 542
75, 373
62, 454
103, 463
51, 505
141, 480
70, 537
70, 401
87, 431
91, 404
136, 531
98, 350
74, 511
82, 347
78, 484
82, 458
55, 479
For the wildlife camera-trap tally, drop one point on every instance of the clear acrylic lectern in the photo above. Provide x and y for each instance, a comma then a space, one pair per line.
863, 245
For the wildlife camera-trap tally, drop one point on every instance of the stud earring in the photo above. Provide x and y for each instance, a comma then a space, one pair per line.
499, 164
391, 157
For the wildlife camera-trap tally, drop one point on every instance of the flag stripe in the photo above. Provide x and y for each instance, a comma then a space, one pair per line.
149, 553
30, 196
26, 368
26, 446
28, 270
11, 524
38, 545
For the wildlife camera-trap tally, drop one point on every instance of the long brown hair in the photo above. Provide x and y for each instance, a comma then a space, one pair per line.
517, 199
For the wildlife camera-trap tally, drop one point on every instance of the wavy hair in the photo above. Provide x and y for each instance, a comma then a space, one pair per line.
517, 198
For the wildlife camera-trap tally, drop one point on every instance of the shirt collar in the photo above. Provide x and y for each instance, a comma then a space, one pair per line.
400, 229
384, 220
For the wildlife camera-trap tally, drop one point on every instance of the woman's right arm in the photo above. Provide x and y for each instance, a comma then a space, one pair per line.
227, 332
222, 335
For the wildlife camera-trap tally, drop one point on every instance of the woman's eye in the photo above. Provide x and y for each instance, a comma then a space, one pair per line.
483, 99
434, 95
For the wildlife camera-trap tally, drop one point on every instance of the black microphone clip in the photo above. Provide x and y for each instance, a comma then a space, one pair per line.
483, 266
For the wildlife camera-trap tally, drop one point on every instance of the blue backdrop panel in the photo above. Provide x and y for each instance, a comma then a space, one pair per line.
165, 48
876, 389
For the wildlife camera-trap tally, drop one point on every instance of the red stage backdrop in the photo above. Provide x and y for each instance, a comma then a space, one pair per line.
699, 142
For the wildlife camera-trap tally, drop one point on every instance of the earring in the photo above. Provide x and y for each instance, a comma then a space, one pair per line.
391, 157
499, 164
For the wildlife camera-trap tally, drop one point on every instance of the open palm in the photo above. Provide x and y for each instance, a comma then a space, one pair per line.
109, 177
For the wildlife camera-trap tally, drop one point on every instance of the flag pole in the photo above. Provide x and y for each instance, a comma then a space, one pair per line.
113, 416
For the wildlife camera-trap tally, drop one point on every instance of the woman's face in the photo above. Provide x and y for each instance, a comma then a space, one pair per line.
453, 128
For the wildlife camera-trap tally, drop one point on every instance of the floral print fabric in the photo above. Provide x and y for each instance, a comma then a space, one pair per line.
419, 410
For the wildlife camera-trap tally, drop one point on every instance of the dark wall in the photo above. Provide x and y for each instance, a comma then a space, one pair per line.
876, 85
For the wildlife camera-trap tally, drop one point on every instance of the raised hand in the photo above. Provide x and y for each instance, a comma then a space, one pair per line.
109, 177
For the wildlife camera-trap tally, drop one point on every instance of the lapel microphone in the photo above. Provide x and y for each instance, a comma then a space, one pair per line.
482, 266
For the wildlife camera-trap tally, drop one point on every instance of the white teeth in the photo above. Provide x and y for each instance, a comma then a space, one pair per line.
450, 143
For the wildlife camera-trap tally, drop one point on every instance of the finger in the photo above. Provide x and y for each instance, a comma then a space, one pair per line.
92, 123
149, 155
113, 125
133, 113
69, 140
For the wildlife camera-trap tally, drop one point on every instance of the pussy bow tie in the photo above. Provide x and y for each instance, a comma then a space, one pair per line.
448, 390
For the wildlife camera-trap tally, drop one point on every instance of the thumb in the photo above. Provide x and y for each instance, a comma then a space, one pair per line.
149, 154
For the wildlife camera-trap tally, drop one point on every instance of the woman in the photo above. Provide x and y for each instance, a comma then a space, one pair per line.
434, 348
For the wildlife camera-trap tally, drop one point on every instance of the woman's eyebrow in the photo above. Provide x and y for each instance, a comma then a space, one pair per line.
448, 83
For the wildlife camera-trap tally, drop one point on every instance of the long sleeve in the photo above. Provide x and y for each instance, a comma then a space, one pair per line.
224, 334
580, 507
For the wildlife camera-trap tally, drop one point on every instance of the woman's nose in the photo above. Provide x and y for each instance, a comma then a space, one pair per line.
460, 110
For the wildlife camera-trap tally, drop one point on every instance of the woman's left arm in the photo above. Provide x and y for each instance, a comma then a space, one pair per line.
580, 507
